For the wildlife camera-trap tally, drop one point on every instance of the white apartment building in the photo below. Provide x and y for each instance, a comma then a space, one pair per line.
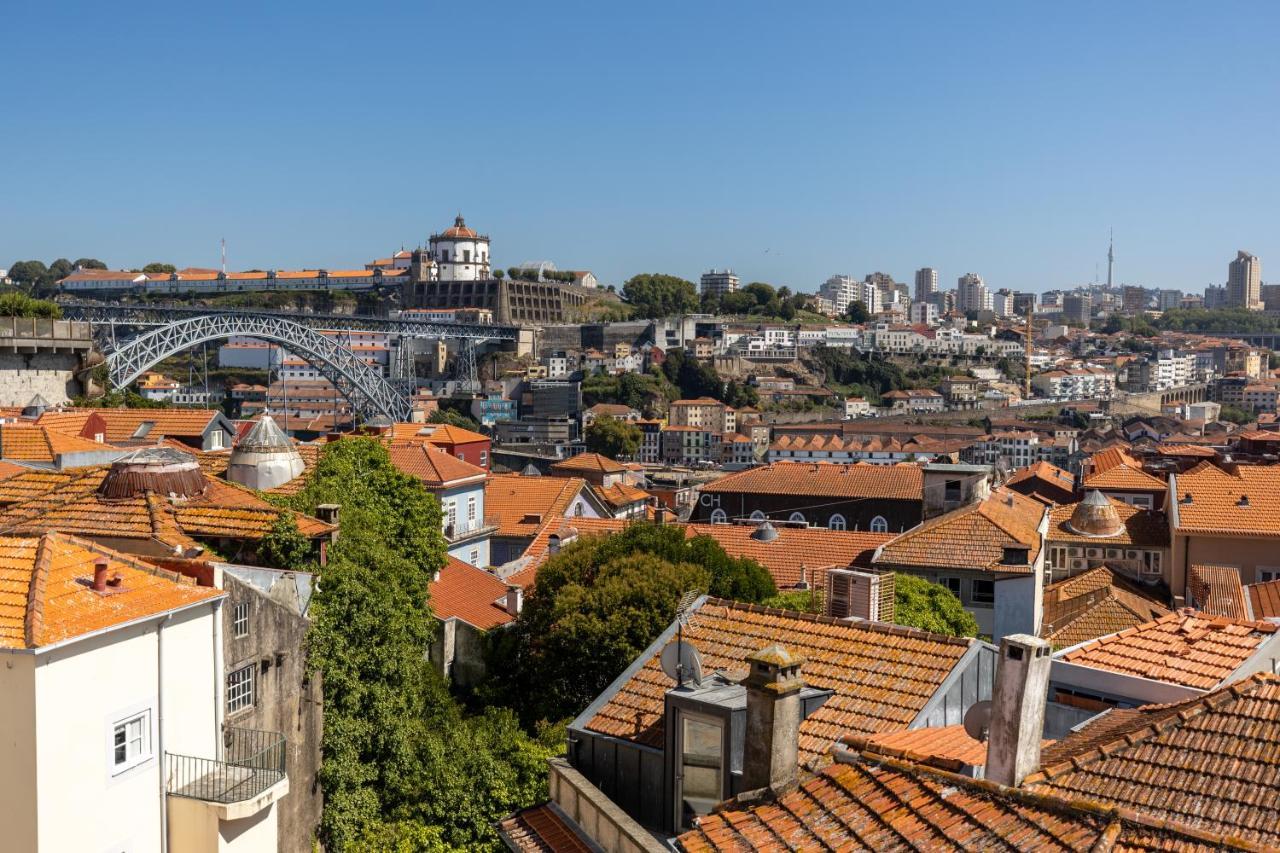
972, 294
1078, 383
924, 314
1016, 448
112, 700
926, 284
1002, 303
843, 290
719, 282
1171, 370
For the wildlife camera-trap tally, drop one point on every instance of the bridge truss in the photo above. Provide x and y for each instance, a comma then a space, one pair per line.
369, 393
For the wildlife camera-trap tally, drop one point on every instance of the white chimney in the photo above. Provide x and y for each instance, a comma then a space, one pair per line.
515, 600
1017, 709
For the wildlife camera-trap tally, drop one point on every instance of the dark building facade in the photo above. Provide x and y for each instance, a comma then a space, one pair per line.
512, 302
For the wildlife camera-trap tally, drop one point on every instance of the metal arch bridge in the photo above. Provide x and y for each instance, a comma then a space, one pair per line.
369, 393
159, 315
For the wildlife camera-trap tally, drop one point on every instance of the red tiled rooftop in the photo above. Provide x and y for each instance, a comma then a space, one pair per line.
891, 482
468, 593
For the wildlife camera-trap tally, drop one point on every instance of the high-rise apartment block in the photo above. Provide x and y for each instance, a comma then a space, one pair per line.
1215, 296
719, 282
1134, 299
972, 294
1244, 282
1077, 308
926, 283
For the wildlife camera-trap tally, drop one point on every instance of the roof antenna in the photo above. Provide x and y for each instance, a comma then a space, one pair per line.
680, 659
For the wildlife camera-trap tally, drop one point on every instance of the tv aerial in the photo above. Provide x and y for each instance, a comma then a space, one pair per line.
977, 720
680, 660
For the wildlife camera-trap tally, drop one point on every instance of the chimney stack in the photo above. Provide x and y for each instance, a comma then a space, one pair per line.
515, 600
1017, 709
100, 574
771, 752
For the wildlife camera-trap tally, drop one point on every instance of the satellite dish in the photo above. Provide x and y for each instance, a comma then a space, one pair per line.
681, 662
978, 719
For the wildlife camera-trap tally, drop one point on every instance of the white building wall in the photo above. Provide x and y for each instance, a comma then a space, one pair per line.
82, 690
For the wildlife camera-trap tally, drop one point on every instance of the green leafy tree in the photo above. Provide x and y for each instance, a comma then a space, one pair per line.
760, 291
737, 302
1236, 415
454, 418
919, 603
614, 438
157, 267
89, 264
740, 395
600, 602
657, 295
28, 273
14, 304
284, 546
857, 312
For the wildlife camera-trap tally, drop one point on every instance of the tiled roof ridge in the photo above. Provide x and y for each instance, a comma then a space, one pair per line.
995, 519
823, 619
1181, 615
1163, 719
33, 619
33, 510
121, 557
1076, 806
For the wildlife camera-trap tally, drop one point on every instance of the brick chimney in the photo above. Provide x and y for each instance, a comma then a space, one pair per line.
1017, 709
100, 574
771, 752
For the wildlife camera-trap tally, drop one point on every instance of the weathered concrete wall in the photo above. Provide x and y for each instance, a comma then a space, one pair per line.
51, 375
286, 700
596, 815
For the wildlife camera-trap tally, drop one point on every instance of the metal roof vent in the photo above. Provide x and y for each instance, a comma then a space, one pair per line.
765, 533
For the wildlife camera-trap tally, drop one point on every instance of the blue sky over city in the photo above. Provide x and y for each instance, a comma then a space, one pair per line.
788, 142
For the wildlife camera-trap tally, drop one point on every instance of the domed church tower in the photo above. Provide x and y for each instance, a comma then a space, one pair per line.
460, 253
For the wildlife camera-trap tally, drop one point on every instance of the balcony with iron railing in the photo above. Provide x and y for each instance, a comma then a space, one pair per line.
250, 765
460, 530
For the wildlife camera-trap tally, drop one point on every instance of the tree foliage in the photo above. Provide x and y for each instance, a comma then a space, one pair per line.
1218, 320
919, 603
657, 295
454, 418
284, 546
614, 438
159, 268
40, 279
600, 602
403, 766
694, 378
857, 312
14, 304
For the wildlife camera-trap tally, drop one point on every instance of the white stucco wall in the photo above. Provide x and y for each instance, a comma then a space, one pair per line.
82, 690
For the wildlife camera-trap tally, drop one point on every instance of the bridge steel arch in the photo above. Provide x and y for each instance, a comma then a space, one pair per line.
369, 393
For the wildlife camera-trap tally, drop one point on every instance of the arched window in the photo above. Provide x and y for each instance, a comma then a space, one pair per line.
719, 517
757, 516
798, 517
837, 522
879, 525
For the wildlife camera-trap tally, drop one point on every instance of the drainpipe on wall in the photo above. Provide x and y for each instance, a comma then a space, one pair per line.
164, 764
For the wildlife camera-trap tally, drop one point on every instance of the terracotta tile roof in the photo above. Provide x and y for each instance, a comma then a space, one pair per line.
36, 443
434, 467
45, 595
71, 422
620, 494
882, 675
541, 829
1141, 526
972, 537
1185, 648
814, 549
897, 482
1264, 599
432, 434
1094, 604
593, 463
1125, 476
1207, 763
1217, 591
1111, 457
70, 503
877, 803
122, 424
470, 594
1044, 479
947, 743
9, 469
1216, 504
1195, 449
524, 504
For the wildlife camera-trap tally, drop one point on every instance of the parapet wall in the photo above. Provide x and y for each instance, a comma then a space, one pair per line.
41, 357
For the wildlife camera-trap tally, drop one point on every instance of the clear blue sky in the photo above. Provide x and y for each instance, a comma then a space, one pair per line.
788, 141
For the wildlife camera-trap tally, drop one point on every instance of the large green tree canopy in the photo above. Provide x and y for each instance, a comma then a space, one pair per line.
614, 438
658, 295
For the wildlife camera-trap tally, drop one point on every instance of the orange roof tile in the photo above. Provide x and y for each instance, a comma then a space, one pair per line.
620, 495
433, 466
541, 829
882, 675
891, 482
1264, 599
1093, 604
949, 747
1214, 502
972, 537
594, 463
123, 424
872, 802
524, 504
797, 551
1207, 763
1217, 591
470, 594
1043, 478
1124, 478
45, 594
1185, 648
36, 443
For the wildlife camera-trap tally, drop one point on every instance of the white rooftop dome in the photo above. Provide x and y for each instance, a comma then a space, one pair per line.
264, 458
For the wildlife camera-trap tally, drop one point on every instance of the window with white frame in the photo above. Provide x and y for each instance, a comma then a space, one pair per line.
471, 509
837, 522
879, 524
240, 619
240, 684
475, 556
131, 741
1268, 573
719, 516
797, 517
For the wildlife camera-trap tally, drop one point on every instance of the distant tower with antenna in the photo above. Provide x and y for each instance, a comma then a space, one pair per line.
224, 255
1111, 257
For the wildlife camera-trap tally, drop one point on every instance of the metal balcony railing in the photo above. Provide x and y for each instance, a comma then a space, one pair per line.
251, 762
463, 529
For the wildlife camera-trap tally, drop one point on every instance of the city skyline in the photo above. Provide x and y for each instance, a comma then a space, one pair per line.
607, 139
